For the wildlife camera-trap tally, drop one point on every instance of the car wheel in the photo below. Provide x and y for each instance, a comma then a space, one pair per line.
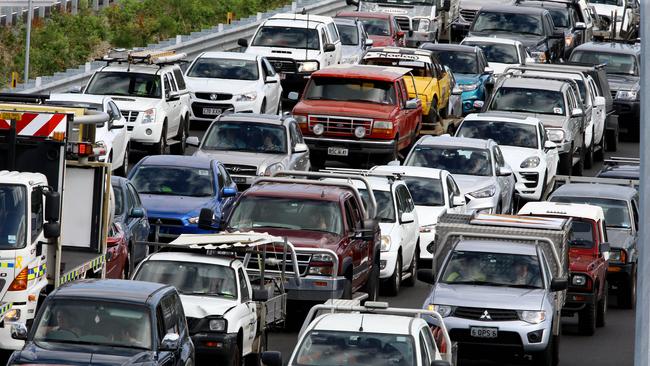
601, 313
124, 169
600, 154
278, 109
580, 166
161, 147
347, 289
236, 355
126, 270
589, 156
394, 155
432, 117
253, 359
263, 107
612, 139
413, 269
317, 160
372, 285
587, 320
565, 164
393, 283
627, 296
179, 147
549, 356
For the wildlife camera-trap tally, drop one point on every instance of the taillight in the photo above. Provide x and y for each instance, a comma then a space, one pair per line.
20, 282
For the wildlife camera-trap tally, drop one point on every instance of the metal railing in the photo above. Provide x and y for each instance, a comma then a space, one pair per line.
14, 11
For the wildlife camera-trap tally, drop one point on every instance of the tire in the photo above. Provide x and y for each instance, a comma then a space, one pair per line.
127, 270
627, 297
565, 164
432, 117
611, 142
550, 355
347, 289
179, 147
394, 155
413, 269
544, 183
263, 107
372, 285
600, 154
393, 283
589, 156
124, 169
587, 320
601, 311
278, 109
254, 359
161, 147
580, 166
236, 359
317, 160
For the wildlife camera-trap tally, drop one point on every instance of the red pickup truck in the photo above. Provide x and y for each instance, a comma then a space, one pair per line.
588, 260
357, 110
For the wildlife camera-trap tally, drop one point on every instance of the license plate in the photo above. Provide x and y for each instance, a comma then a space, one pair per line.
212, 111
283, 76
338, 151
481, 332
239, 179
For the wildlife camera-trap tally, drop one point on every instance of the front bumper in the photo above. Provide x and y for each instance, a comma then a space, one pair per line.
530, 183
321, 144
215, 344
619, 275
387, 261
576, 301
468, 98
147, 134
198, 105
629, 113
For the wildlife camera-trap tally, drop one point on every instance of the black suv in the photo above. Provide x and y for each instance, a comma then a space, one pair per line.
531, 26
622, 63
107, 322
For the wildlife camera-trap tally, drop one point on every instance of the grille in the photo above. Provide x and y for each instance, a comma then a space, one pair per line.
283, 65
468, 14
477, 313
404, 23
165, 222
197, 109
503, 339
303, 262
530, 179
213, 96
235, 169
614, 93
341, 125
129, 128
130, 116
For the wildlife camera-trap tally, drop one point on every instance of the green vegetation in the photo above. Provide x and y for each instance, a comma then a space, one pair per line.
64, 40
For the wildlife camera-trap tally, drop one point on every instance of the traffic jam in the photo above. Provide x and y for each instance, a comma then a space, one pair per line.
187, 212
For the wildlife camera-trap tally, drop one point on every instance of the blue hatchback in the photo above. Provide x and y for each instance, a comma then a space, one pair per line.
174, 189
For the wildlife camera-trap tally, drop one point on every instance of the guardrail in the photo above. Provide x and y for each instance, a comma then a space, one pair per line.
222, 37
12, 11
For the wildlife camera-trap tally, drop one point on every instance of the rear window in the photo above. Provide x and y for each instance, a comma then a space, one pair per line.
508, 22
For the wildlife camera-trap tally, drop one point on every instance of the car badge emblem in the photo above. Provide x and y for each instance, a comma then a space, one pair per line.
485, 316
214, 97
235, 169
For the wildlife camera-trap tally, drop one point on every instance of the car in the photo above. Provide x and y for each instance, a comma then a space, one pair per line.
112, 140
251, 145
533, 27
431, 82
616, 18
621, 206
557, 104
471, 70
111, 322
622, 64
240, 82
620, 168
434, 191
467, 10
382, 28
117, 252
500, 52
131, 215
151, 93
354, 40
478, 167
525, 147
174, 190
378, 118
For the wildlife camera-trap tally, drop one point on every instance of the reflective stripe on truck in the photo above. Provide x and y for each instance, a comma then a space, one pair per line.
94, 264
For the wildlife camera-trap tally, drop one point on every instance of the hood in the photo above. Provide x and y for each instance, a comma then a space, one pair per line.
620, 238
530, 41
500, 68
381, 41
477, 4
428, 215
342, 108
462, 79
74, 354
135, 104
259, 160
487, 297
162, 205
471, 183
202, 306
514, 155
551, 120
210, 85
306, 239
351, 52
623, 82
579, 261
280, 52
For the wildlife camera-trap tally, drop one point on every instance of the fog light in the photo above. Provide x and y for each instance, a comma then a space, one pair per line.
382, 264
318, 129
148, 131
536, 336
13, 315
360, 132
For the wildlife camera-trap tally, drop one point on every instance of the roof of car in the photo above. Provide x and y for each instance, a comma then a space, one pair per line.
608, 191
371, 323
495, 40
410, 171
111, 290
579, 210
545, 4
447, 47
503, 117
534, 83
376, 183
230, 55
191, 257
305, 17
177, 160
386, 73
626, 171
512, 9
610, 47
271, 119
361, 14
137, 68
402, 50
313, 191
447, 140
496, 246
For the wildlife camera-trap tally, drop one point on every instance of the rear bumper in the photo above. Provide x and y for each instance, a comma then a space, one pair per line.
320, 144
619, 275
629, 113
215, 344
315, 288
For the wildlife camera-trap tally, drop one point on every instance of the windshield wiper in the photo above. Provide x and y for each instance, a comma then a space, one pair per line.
523, 286
160, 193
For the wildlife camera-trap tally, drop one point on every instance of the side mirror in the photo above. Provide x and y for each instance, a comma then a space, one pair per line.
446, 5
369, 42
51, 230
599, 101
488, 70
272, 358
293, 96
549, 145
352, 2
504, 171
137, 212
260, 294
559, 284
604, 247
412, 103
242, 42
228, 192
52, 206
270, 80
19, 331
458, 201
426, 276
329, 48
206, 218
300, 148
173, 96
370, 224
580, 26
456, 91
170, 342
407, 217
193, 141
76, 89
116, 124
394, 163
576, 112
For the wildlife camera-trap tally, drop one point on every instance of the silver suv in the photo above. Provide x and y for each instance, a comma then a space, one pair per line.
250, 145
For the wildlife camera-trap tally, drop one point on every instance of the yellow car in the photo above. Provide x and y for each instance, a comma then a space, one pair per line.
430, 83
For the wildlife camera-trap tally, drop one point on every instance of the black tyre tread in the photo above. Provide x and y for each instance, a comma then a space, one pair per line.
413, 268
391, 284
627, 296
587, 320
601, 311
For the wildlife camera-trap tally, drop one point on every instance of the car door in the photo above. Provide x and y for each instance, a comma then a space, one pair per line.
171, 325
576, 122
555, 44
335, 38
410, 231
139, 226
327, 57
274, 93
249, 311
453, 190
297, 160
170, 107
506, 183
409, 117
356, 247
120, 136
552, 156
598, 111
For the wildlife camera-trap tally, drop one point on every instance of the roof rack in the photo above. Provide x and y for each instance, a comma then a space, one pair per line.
620, 160
365, 172
148, 57
566, 179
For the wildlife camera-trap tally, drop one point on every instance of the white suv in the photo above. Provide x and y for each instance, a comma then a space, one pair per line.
150, 91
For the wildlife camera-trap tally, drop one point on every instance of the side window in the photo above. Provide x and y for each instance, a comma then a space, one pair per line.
296, 137
404, 95
114, 110
180, 317
37, 213
324, 39
542, 134
431, 344
227, 180
404, 199
451, 187
168, 87
243, 286
551, 25
424, 350
498, 157
635, 211
170, 318
522, 52
334, 33
160, 322
220, 179
134, 196
349, 218
355, 211
264, 70
171, 81
178, 74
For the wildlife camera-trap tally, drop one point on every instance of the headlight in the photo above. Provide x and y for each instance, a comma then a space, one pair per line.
272, 169
217, 325
428, 228
485, 192
246, 97
568, 40
385, 243
443, 310
627, 94
320, 264
308, 66
149, 116
12, 315
617, 255
530, 162
532, 317
468, 87
578, 280
423, 25
193, 220
539, 56
555, 135
300, 119
382, 125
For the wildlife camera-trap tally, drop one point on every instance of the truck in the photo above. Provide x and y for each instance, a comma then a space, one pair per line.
54, 204
589, 257
499, 282
618, 20
231, 296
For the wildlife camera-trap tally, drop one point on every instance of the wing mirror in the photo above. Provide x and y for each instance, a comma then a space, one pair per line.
604, 247
559, 284
394, 163
576, 112
504, 171
458, 201
19, 331
192, 141
170, 342
228, 192
137, 212
173, 96
407, 217
439, 363
329, 48
270, 80
242, 42
581, 26
300, 148
369, 42
550, 145
456, 91
529, 60
206, 219
350, 3
488, 70
272, 358
599, 101
260, 294
412, 103
52, 206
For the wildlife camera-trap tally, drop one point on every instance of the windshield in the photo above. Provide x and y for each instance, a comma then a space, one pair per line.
247, 137
202, 279
456, 160
353, 90
95, 322
507, 22
582, 234
119, 199
385, 205
497, 53
607, 2
287, 37
376, 26
425, 191
125, 84
335, 348
349, 34
173, 181
616, 213
223, 68
560, 17
493, 269
13, 218
615, 63
459, 62
528, 101
504, 133
285, 213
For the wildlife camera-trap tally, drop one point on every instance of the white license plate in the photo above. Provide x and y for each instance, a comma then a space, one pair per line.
283, 76
239, 180
212, 111
338, 151
480, 332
